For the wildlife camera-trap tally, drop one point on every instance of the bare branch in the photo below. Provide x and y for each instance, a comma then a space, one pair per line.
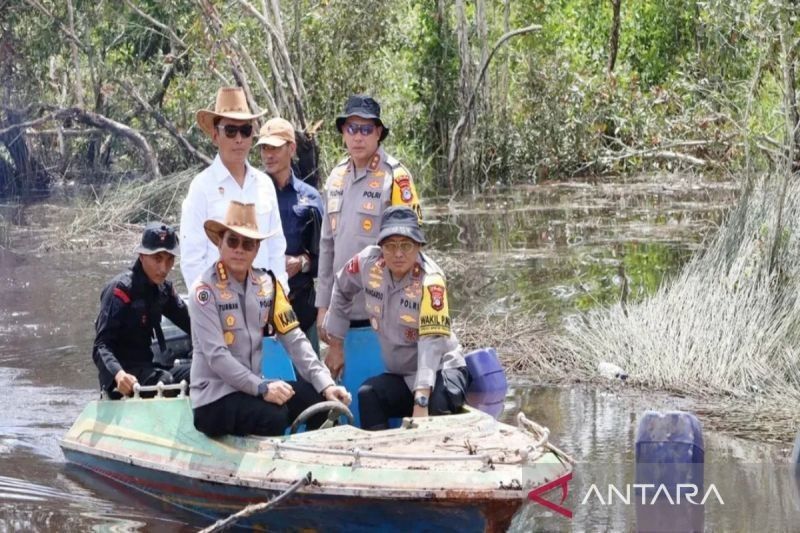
462, 120
284, 53
169, 126
160, 25
66, 31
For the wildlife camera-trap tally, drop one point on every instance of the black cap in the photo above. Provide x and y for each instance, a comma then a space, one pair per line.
400, 220
361, 105
158, 237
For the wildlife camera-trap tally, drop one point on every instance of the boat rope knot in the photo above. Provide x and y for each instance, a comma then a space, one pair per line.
542, 434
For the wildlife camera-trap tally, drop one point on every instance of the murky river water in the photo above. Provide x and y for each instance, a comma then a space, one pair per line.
546, 249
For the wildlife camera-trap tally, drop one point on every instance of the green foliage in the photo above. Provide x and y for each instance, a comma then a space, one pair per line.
704, 71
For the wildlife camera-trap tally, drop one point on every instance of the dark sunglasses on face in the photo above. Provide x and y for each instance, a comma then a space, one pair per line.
365, 129
233, 242
231, 130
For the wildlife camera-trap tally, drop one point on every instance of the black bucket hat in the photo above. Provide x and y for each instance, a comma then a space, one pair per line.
158, 237
361, 105
400, 220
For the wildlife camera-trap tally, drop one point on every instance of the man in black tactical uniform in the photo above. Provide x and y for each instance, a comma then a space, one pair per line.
131, 306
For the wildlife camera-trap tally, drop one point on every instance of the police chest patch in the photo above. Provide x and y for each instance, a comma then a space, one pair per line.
230, 321
229, 337
202, 294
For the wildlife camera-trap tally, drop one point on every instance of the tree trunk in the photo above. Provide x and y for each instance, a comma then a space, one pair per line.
79, 99
613, 39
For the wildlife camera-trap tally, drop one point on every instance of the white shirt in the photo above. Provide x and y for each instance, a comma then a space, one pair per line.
209, 195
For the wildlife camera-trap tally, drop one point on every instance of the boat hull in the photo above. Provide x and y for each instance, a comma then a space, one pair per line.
400, 479
200, 503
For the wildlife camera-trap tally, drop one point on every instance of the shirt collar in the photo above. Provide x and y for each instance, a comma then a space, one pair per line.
221, 172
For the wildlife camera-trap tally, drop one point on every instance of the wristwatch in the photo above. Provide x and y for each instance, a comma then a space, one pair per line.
304, 263
421, 400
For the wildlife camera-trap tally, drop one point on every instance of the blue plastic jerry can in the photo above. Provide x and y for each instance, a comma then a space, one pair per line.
669, 460
362, 360
488, 387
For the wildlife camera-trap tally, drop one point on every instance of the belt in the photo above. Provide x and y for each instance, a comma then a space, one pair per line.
360, 323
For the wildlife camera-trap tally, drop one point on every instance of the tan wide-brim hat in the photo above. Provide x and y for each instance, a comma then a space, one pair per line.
231, 103
240, 219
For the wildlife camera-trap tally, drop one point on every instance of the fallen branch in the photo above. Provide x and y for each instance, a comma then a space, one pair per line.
660, 154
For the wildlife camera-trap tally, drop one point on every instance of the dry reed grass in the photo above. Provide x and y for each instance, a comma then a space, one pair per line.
725, 331
122, 208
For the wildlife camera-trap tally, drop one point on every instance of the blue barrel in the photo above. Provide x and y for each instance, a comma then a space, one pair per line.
362, 360
275, 361
669, 453
489, 386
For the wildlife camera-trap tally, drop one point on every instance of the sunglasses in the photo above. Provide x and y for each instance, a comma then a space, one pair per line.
233, 242
393, 246
231, 130
364, 129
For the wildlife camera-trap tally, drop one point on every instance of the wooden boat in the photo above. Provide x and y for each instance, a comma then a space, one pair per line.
465, 472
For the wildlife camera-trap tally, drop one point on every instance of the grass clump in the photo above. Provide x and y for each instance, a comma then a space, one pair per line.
727, 329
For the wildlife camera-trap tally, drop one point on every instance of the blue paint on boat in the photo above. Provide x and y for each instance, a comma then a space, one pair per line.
203, 502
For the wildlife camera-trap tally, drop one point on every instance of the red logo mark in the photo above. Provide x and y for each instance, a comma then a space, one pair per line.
353, 266
437, 296
537, 493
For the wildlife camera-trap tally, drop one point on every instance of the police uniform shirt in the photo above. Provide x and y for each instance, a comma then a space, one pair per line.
354, 204
228, 319
410, 316
209, 195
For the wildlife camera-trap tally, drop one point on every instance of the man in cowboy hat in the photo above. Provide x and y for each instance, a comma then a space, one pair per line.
301, 218
230, 177
357, 192
131, 306
230, 305
406, 301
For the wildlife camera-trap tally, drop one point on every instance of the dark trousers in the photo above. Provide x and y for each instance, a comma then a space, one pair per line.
387, 396
240, 414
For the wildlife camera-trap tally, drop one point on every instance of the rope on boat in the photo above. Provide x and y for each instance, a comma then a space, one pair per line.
542, 433
359, 454
221, 525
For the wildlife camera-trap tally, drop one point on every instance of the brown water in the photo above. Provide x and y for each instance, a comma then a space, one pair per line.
548, 250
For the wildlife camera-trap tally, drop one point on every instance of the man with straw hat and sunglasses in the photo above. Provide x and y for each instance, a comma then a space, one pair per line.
231, 304
230, 177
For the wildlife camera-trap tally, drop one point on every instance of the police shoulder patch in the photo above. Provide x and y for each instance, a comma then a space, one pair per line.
283, 316
122, 295
434, 316
353, 266
202, 294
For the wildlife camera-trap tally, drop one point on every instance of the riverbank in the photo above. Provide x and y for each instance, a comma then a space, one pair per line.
538, 273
